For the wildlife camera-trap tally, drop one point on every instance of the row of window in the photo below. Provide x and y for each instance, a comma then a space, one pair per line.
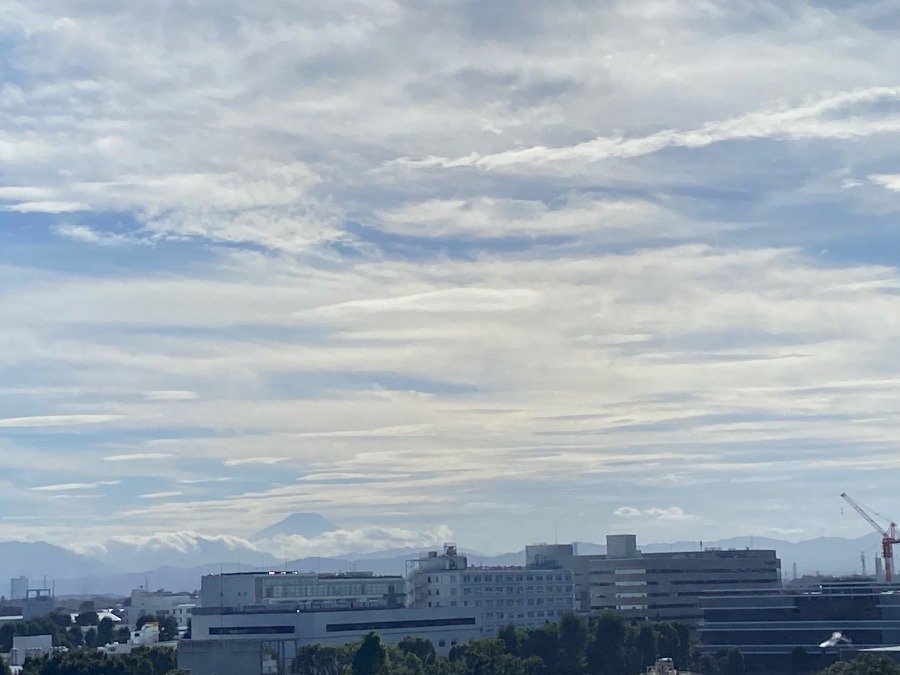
490, 578
500, 603
523, 615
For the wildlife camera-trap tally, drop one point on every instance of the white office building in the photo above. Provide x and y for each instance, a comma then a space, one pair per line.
158, 604
526, 597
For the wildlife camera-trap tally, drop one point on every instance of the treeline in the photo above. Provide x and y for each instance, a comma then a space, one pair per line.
86, 631
141, 661
601, 645
64, 631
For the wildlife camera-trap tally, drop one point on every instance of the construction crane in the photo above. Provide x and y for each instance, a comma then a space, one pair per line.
889, 537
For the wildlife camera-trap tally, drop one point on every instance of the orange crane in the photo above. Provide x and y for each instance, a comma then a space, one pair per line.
889, 537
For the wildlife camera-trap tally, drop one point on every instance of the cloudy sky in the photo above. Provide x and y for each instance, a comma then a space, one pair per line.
501, 271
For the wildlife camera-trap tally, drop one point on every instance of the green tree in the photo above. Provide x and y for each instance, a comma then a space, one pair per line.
168, 628
371, 657
732, 662
420, 647
574, 636
7, 632
76, 637
90, 637
88, 618
606, 651
144, 619
864, 665
105, 631
323, 660
87, 606
646, 645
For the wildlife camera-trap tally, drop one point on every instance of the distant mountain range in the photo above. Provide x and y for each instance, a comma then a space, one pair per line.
177, 561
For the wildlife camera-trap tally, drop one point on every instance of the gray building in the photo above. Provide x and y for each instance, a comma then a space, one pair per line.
18, 588
667, 586
254, 623
526, 597
302, 590
783, 630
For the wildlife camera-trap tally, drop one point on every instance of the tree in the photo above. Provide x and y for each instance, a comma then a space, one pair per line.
864, 665
420, 647
144, 619
319, 659
168, 628
105, 631
90, 638
646, 646
76, 637
371, 657
87, 618
573, 642
123, 634
87, 606
606, 651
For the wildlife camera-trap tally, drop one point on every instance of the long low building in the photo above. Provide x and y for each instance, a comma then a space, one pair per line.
781, 631
228, 641
251, 621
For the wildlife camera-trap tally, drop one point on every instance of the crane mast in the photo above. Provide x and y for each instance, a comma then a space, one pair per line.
889, 537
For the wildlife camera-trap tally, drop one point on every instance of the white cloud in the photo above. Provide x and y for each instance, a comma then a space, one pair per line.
161, 495
243, 461
65, 487
138, 456
171, 395
671, 513
57, 420
555, 248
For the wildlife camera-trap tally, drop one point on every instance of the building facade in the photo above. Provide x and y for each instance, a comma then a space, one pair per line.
158, 604
522, 596
264, 618
778, 630
18, 588
352, 590
667, 586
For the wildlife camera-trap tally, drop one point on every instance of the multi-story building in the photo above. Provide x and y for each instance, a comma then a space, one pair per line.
251, 623
527, 596
158, 604
18, 588
785, 630
351, 590
666, 586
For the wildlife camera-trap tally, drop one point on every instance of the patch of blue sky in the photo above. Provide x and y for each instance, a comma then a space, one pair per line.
31, 240
295, 332
713, 340
108, 440
305, 384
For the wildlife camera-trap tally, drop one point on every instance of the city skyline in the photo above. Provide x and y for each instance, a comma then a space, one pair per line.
445, 271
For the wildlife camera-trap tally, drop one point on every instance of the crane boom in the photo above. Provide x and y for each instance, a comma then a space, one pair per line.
889, 537
880, 530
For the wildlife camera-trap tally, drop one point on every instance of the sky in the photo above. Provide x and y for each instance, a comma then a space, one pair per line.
504, 272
